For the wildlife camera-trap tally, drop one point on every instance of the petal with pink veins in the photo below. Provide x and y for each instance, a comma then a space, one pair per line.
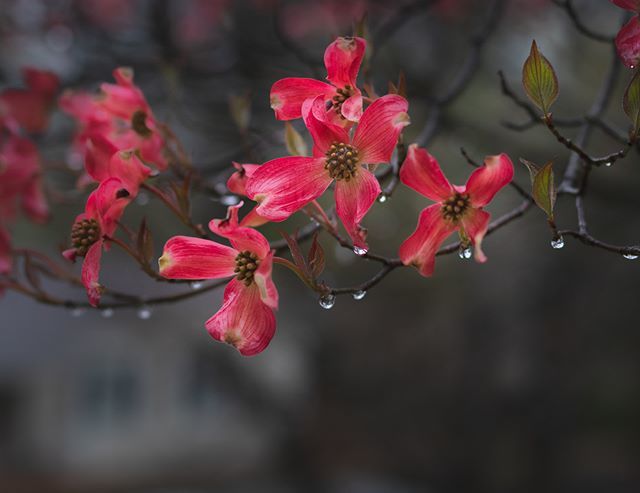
422, 172
268, 291
628, 42
633, 5
288, 94
185, 257
244, 321
379, 128
420, 248
91, 273
487, 180
323, 131
283, 186
354, 198
475, 223
342, 58
238, 180
241, 238
352, 107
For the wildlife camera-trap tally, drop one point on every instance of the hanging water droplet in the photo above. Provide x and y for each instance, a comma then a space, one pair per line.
142, 198
195, 285
632, 67
383, 198
358, 295
465, 253
327, 301
360, 251
608, 164
229, 199
77, 311
558, 243
107, 313
630, 256
154, 173
144, 312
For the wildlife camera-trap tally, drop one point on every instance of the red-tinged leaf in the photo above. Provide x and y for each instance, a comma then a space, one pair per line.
402, 85
294, 141
315, 257
296, 254
631, 103
391, 88
144, 242
539, 80
181, 198
542, 186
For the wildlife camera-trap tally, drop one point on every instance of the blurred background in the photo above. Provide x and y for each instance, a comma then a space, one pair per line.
521, 374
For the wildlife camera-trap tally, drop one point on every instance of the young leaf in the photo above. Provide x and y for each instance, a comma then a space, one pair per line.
539, 80
294, 141
296, 254
315, 258
631, 103
542, 186
144, 241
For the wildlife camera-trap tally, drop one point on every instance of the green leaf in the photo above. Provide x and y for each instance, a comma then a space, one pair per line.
294, 141
315, 257
539, 80
240, 109
631, 103
542, 186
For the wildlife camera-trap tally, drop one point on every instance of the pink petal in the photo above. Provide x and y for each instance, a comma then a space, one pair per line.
475, 223
342, 59
106, 204
99, 151
285, 185
422, 172
253, 219
633, 5
240, 237
628, 43
238, 180
354, 198
352, 107
41, 81
322, 130
268, 291
5, 251
487, 180
379, 128
126, 166
34, 201
184, 257
244, 321
420, 248
29, 109
287, 95
91, 273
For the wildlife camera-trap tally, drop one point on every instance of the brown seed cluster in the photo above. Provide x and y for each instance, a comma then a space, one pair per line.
139, 124
455, 206
246, 265
342, 94
84, 233
342, 161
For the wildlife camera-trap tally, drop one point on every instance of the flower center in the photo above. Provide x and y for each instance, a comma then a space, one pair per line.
139, 124
246, 265
455, 206
84, 233
342, 94
342, 161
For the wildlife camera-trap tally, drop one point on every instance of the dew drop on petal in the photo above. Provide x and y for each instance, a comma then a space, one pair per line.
327, 301
142, 198
77, 311
107, 312
358, 295
558, 243
465, 253
195, 285
144, 312
383, 198
229, 199
360, 251
630, 256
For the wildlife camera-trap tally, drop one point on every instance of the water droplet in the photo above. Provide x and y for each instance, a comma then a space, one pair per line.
630, 256
327, 301
558, 243
144, 312
360, 251
358, 295
383, 198
195, 285
107, 313
608, 164
465, 253
142, 198
154, 173
229, 199
77, 311
632, 67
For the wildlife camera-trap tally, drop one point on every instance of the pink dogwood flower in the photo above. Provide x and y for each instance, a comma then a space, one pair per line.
342, 59
628, 39
284, 185
30, 107
246, 319
457, 208
237, 183
103, 209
